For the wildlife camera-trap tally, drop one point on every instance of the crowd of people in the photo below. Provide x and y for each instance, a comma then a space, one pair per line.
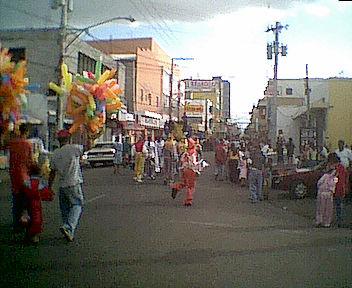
243, 162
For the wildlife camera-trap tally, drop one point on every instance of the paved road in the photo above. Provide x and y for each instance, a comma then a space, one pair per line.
137, 236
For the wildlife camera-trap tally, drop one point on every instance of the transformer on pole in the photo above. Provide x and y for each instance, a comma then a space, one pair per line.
272, 101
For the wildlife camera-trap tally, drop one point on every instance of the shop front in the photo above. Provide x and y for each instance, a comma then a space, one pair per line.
151, 122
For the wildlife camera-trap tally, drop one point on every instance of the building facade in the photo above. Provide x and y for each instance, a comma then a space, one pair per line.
148, 80
312, 111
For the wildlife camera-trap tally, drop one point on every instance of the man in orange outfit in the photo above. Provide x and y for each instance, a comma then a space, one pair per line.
20, 162
189, 166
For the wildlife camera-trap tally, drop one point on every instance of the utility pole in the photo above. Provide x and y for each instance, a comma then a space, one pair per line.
206, 117
273, 101
171, 84
63, 34
308, 97
171, 89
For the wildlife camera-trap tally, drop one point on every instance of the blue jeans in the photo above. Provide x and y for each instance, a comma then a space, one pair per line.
255, 181
339, 204
220, 171
71, 204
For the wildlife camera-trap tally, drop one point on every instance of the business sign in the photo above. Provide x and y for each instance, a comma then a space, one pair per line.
206, 95
200, 84
193, 108
149, 122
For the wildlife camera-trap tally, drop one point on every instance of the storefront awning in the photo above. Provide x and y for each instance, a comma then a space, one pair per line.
30, 120
129, 125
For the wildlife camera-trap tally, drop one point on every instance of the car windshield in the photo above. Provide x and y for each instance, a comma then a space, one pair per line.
104, 145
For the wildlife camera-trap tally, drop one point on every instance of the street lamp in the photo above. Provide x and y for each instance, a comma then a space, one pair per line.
86, 29
171, 83
63, 48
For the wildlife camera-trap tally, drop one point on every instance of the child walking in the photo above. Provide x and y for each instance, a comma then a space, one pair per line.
326, 190
35, 191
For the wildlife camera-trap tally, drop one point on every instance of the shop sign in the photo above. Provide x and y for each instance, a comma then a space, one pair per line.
149, 122
200, 84
193, 108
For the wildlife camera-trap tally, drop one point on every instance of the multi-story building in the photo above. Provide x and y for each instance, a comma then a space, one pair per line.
148, 82
218, 92
339, 118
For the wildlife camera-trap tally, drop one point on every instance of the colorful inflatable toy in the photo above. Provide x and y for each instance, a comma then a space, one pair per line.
88, 99
13, 91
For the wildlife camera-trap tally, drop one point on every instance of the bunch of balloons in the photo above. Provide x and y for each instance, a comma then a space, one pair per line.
88, 99
12, 90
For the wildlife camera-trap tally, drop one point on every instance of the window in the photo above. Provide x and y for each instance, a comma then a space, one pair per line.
141, 94
288, 91
85, 63
188, 95
149, 99
157, 101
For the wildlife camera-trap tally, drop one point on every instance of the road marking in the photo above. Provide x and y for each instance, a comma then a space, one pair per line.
96, 198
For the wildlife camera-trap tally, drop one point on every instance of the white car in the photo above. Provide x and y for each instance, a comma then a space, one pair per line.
101, 153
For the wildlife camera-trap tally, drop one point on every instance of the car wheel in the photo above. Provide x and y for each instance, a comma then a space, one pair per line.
299, 190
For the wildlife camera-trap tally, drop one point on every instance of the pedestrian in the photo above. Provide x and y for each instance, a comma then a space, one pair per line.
150, 160
126, 152
139, 152
233, 163
344, 154
323, 154
65, 163
118, 157
159, 147
35, 191
220, 161
340, 191
326, 189
290, 147
20, 161
168, 155
243, 166
255, 174
280, 143
189, 167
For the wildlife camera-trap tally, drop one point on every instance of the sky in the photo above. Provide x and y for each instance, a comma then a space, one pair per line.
225, 37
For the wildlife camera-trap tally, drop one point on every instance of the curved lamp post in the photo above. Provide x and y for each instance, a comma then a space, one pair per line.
86, 29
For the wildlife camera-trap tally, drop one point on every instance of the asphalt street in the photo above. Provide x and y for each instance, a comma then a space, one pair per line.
136, 235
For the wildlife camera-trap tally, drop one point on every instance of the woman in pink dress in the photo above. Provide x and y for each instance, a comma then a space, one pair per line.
326, 190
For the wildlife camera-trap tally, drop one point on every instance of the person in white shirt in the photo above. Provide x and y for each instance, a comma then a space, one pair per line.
151, 159
344, 154
65, 162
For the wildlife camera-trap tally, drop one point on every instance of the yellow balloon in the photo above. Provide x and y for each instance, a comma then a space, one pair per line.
56, 88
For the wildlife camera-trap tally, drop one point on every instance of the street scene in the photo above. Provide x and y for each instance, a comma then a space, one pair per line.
136, 235
162, 144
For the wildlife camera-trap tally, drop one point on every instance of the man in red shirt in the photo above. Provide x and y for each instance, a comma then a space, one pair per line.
340, 190
139, 151
20, 162
220, 160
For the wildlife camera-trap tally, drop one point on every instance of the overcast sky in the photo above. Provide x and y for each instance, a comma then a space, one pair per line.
225, 37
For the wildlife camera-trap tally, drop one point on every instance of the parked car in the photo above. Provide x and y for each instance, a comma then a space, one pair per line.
301, 182
101, 153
